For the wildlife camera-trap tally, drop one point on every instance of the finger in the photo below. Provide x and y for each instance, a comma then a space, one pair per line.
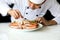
38, 20
13, 14
43, 22
16, 15
19, 13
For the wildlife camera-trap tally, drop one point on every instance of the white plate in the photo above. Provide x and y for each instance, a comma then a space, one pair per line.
39, 27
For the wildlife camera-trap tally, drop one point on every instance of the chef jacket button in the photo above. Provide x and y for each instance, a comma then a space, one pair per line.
26, 13
37, 15
27, 7
25, 18
39, 7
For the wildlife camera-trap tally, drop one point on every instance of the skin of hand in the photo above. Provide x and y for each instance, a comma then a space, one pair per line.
15, 13
43, 21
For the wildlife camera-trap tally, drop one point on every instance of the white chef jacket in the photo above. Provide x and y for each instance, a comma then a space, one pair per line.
28, 13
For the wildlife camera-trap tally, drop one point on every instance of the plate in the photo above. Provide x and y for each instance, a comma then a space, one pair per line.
39, 27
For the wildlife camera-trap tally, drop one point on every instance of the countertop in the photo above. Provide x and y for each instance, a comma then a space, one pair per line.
45, 33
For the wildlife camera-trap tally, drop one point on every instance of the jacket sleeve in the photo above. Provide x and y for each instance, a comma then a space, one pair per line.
4, 8
55, 10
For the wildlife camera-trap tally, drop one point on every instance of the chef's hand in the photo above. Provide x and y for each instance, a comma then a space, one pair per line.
43, 21
15, 13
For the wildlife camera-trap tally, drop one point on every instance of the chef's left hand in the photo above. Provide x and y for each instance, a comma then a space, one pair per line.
43, 21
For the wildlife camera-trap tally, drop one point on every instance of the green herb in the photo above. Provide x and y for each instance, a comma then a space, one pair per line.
33, 21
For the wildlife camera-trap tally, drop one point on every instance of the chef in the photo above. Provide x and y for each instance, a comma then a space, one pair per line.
31, 10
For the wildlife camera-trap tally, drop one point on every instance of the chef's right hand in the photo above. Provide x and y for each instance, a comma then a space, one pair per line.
15, 13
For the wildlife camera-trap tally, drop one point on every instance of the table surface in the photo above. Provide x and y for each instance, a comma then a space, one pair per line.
46, 33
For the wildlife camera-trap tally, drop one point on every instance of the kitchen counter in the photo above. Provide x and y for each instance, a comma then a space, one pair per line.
45, 33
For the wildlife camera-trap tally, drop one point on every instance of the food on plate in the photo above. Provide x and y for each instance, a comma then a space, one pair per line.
26, 24
29, 25
14, 24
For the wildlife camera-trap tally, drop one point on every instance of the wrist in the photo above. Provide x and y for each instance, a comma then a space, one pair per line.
52, 22
9, 11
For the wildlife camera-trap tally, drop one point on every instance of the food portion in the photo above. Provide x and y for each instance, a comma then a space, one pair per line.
14, 24
29, 25
24, 24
